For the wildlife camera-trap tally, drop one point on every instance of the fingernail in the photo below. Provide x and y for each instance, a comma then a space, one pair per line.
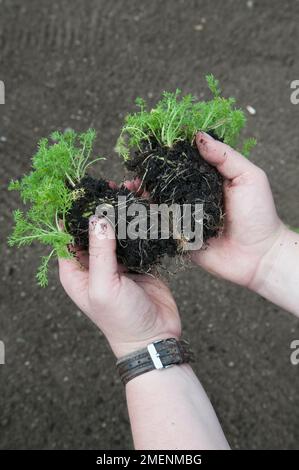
203, 137
99, 225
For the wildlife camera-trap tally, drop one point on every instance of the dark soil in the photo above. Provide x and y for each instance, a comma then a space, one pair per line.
81, 64
179, 175
136, 254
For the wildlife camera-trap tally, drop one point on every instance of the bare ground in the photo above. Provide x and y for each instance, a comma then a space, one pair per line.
80, 64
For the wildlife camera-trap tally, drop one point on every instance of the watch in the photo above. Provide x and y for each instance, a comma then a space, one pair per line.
160, 354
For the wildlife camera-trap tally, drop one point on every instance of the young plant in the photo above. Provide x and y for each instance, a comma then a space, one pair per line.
176, 118
61, 197
50, 190
158, 146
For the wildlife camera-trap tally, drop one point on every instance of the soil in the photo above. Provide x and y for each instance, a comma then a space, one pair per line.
179, 175
81, 64
139, 255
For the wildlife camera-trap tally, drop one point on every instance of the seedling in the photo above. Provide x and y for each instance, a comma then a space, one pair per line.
158, 146
61, 197
177, 118
51, 189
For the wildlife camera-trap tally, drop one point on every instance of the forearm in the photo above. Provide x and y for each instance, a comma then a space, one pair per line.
170, 410
277, 278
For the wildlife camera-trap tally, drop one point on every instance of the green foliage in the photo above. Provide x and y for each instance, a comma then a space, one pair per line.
248, 145
177, 118
213, 84
56, 168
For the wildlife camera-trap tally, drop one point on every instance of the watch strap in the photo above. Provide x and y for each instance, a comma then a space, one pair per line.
157, 355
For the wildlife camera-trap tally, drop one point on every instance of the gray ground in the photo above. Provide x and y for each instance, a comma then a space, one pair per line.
79, 64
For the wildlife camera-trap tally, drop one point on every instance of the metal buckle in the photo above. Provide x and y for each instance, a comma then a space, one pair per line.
155, 356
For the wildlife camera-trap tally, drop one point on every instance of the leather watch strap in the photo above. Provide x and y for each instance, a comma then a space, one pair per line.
158, 355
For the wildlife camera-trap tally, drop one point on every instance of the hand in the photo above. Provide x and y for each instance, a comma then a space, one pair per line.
132, 310
252, 226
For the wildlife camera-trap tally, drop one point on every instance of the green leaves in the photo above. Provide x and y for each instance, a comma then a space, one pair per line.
248, 146
213, 84
42, 272
50, 189
177, 118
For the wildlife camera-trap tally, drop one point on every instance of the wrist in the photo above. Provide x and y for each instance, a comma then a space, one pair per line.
122, 348
277, 275
268, 262
160, 354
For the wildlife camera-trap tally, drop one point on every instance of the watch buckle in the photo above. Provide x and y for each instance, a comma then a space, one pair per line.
155, 356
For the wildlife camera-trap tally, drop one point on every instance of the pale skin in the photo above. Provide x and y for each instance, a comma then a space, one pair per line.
169, 409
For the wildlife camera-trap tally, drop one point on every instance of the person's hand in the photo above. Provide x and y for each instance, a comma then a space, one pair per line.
252, 226
132, 310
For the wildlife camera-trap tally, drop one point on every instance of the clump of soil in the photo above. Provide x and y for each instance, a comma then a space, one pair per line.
177, 175
180, 175
137, 255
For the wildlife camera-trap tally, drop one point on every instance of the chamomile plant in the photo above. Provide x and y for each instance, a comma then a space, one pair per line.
49, 192
157, 145
178, 118
59, 198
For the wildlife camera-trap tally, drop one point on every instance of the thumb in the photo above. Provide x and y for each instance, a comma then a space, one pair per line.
230, 163
102, 254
